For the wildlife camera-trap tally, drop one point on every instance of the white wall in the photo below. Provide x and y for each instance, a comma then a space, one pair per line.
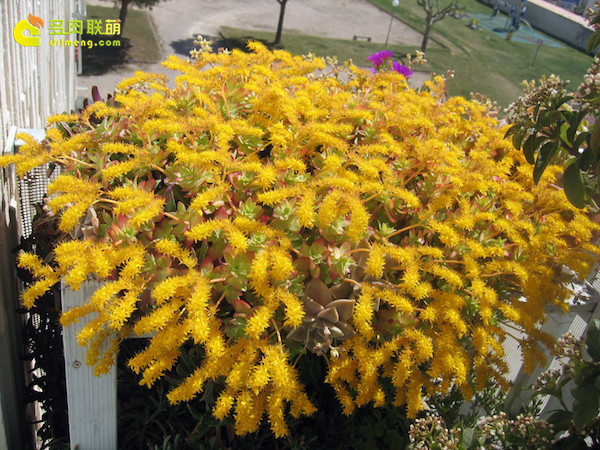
37, 81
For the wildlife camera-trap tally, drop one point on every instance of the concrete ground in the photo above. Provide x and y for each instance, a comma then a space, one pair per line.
177, 22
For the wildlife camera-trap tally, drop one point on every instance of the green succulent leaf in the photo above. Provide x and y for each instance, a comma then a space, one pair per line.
469, 437
574, 119
236, 328
587, 400
595, 139
517, 138
561, 419
585, 159
548, 117
530, 146
512, 130
594, 39
563, 133
573, 185
544, 157
592, 340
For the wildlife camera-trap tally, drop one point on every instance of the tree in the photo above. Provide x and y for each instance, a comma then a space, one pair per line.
125, 5
280, 22
433, 14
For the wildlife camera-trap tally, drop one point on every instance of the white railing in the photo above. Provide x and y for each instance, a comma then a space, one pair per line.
575, 321
91, 400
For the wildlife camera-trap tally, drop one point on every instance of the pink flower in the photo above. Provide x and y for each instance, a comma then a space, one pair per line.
380, 57
401, 69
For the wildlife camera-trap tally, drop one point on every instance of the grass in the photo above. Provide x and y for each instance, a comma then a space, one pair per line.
485, 62
482, 61
302, 44
137, 33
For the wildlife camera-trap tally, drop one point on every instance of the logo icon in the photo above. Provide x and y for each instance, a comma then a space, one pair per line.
27, 32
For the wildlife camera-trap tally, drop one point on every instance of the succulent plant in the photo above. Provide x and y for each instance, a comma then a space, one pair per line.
325, 320
267, 199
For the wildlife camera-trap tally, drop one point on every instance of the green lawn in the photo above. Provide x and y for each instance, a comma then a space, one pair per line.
302, 44
482, 61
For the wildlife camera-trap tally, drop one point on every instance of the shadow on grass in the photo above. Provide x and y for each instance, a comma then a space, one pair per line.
99, 57
241, 43
185, 46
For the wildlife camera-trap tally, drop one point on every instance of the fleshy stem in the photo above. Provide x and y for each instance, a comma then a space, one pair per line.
402, 230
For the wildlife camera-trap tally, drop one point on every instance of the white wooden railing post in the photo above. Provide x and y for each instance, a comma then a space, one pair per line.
557, 324
92, 400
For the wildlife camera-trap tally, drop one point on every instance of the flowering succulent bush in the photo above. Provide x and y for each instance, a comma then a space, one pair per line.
497, 432
266, 206
572, 426
552, 125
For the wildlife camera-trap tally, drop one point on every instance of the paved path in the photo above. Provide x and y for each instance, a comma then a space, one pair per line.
328, 18
177, 22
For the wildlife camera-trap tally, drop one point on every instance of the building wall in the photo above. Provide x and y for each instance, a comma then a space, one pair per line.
553, 20
37, 81
558, 22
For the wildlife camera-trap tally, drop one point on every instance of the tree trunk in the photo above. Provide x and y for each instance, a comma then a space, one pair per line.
123, 13
280, 23
428, 25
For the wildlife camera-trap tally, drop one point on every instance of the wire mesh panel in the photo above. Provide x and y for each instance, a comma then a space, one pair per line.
32, 191
43, 392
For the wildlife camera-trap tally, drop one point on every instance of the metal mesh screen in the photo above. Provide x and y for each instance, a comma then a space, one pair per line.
32, 190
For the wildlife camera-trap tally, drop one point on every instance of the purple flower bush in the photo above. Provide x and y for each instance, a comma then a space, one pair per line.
402, 69
379, 59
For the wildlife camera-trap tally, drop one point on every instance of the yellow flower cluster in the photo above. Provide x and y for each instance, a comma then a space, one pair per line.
219, 200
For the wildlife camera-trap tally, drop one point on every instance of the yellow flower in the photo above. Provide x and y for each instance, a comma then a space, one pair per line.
122, 310
359, 220
281, 264
411, 205
223, 404
294, 311
328, 210
275, 411
191, 386
248, 412
266, 176
448, 235
205, 229
258, 322
31, 262
172, 248
363, 313
202, 200
62, 118
305, 210
414, 400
